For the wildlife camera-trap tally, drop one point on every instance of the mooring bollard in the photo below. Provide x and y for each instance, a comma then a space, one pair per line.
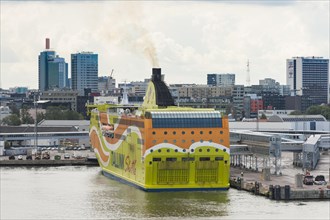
277, 192
271, 191
287, 192
239, 183
256, 188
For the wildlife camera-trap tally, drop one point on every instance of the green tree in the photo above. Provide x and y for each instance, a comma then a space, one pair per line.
296, 112
40, 116
54, 113
319, 110
14, 109
263, 116
12, 119
72, 115
26, 117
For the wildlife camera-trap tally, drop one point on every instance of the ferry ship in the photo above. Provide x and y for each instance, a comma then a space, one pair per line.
158, 146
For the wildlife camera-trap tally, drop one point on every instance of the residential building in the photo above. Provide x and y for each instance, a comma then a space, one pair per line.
226, 79
106, 84
84, 71
67, 98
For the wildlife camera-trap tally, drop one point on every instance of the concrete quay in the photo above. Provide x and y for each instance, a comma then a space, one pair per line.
77, 158
285, 186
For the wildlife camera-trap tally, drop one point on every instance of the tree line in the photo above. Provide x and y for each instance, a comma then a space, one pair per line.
316, 110
23, 116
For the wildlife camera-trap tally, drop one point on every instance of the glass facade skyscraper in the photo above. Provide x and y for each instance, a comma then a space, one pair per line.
84, 72
53, 71
309, 76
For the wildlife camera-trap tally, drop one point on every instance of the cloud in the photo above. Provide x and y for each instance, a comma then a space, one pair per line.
187, 39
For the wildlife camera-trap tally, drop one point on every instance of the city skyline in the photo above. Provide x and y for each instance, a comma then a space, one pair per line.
188, 40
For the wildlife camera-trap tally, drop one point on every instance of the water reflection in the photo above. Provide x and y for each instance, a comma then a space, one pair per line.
84, 193
120, 200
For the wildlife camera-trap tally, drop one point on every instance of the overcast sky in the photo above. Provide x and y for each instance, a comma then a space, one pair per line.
186, 39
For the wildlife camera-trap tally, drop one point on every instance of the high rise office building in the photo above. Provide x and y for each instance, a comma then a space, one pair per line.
84, 71
53, 70
309, 76
227, 79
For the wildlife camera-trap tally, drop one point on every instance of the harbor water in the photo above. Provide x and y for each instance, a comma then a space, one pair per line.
79, 192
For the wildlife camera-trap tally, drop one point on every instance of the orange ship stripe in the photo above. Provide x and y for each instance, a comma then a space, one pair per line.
96, 143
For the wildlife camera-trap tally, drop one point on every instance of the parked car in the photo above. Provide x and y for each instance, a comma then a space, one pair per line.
29, 157
66, 156
19, 157
12, 157
308, 180
320, 180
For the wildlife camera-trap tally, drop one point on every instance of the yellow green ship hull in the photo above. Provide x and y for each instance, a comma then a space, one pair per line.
160, 147
156, 159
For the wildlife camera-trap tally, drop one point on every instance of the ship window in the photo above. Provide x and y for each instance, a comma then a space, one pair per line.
159, 150
221, 132
201, 132
192, 132
188, 159
192, 141
216, 150
221, 140
154, 141
218, 158
208, 150
200, 150
174, 132
226, 161
204, 159
154, 132
176, 150
168, 150
201, 140
183, 141
171, 159
210, 132
224, 150
192, 150
174, 141
165, 132
183, 132
165, 141
184, 150
156, 159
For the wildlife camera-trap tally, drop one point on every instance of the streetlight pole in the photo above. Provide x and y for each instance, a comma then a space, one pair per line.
36, 124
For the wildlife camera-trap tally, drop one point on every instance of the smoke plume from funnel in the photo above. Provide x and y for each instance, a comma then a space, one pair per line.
126, 29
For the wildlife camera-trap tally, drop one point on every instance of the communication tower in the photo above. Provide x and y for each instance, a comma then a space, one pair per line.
248, 73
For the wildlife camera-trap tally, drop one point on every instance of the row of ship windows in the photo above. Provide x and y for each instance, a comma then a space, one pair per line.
157, 159
184, 150
184, 141
183, 132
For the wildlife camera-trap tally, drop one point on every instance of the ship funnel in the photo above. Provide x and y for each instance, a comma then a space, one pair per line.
156, 74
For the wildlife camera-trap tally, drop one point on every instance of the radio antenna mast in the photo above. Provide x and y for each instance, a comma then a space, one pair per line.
248, 73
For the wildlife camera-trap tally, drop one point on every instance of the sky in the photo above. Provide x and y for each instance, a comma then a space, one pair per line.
187, 39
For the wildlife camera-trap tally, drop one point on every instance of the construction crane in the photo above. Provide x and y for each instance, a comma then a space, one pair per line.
111, 73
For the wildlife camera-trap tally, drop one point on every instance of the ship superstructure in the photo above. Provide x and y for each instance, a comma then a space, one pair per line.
158, 146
